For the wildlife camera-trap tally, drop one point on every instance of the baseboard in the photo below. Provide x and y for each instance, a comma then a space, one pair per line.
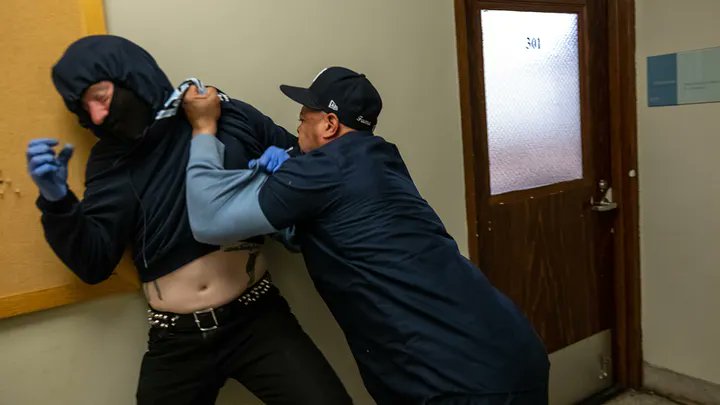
679, 386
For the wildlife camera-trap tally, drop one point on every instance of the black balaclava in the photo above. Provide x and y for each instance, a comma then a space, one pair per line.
128, 117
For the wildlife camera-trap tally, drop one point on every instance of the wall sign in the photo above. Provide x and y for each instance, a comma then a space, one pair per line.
688, 77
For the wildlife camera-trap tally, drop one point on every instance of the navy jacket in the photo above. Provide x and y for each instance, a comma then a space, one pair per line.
135, 192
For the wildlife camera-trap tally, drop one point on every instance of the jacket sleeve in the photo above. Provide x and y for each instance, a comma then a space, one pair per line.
269, 133
90, 236
223, 205
275, 135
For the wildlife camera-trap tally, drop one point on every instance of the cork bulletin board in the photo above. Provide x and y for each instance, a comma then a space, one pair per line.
33, 36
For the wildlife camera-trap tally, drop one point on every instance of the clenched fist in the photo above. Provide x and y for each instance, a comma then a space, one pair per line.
202, 110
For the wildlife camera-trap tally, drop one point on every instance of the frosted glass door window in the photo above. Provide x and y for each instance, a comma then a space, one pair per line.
532, 92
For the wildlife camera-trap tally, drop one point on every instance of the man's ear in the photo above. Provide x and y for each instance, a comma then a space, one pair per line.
332, 126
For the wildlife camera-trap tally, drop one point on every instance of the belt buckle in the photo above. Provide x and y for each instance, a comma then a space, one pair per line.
199, 323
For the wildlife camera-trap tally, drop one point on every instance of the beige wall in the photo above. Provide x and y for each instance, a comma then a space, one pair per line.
679, 200
79, 354
90, 353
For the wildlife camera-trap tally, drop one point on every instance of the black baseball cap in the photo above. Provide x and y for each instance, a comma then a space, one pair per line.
339, 90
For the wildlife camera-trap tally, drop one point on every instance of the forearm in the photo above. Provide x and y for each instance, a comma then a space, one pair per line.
78, 241
223, 205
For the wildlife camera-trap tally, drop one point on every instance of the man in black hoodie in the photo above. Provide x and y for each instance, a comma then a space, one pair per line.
214, 313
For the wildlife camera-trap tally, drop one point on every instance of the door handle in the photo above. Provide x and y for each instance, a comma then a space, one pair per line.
603, 206
606, 203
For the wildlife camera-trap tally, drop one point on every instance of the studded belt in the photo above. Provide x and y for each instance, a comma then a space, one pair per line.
212, 318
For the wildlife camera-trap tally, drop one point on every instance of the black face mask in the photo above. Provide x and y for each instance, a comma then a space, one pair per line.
128, 117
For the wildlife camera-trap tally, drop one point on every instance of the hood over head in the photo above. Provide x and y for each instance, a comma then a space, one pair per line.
106, 57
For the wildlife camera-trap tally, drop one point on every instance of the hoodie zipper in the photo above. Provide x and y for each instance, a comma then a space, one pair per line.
137, 195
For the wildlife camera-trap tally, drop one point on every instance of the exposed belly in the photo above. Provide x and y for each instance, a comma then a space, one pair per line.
207, 282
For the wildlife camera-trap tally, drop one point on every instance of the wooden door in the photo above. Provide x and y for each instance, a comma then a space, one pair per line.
540, 174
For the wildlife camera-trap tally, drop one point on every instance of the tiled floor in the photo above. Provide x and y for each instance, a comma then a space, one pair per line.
638, 398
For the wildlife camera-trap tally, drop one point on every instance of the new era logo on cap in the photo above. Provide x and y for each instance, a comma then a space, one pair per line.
338, 86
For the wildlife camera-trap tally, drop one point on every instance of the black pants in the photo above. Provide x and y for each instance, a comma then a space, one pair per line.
265, 349
538, 397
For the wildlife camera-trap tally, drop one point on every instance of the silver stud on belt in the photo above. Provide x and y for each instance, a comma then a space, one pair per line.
161, 320
261, 288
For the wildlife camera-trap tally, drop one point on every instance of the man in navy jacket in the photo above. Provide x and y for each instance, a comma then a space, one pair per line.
424, 324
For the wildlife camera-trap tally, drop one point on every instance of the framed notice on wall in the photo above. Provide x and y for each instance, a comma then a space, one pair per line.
688, 77
33, 36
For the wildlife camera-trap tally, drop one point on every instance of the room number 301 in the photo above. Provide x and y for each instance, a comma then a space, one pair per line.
532, 43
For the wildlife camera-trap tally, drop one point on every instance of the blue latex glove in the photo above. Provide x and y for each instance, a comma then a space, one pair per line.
271, 159
48, 171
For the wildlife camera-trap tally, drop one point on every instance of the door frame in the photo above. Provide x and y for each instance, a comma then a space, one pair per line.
627, 339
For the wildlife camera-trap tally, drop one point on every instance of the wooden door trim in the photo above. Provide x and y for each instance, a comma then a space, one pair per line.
627, 340
470, 149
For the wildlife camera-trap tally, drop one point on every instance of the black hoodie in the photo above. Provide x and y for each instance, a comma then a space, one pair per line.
135, 192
